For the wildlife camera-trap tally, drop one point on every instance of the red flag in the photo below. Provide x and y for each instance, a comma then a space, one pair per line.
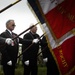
61, 19
65, 55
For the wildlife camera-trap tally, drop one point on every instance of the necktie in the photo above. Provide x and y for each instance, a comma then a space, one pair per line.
15, 40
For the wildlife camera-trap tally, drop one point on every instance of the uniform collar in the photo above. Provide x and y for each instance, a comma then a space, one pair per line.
9, 31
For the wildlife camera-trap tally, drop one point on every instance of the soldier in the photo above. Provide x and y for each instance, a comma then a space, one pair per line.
10, 52
48, 59
30, 56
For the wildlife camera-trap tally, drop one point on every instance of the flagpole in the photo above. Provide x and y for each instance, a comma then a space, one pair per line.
25, 31
29, 46
21, 33
41, 51
9, 6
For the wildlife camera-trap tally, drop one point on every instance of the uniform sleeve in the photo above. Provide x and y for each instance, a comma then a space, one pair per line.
3, 47
25, 45
44, 47
25, 41
2, 40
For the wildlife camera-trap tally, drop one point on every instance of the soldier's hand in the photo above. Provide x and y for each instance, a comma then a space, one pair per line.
35, 40
27, 62
9, 41
9, 63
45, 60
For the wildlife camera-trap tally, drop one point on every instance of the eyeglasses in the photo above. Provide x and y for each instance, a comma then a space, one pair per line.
13, 25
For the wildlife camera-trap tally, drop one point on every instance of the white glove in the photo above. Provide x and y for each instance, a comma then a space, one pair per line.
35, 40
9, 63
27, 62
9, 41
45, 60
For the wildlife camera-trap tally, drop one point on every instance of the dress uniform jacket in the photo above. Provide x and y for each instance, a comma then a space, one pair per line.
10, 52
30, 54
52, 68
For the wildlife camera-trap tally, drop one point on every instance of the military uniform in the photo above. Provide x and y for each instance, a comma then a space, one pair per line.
30, 54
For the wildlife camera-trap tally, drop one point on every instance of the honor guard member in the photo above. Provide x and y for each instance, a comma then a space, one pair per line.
48, 59
30, 56
10, 50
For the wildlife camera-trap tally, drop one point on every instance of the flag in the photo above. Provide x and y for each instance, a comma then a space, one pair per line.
60, 15
60, 23
65, 55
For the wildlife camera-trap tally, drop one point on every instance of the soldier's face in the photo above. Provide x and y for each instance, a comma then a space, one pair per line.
11, 25
34, 29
